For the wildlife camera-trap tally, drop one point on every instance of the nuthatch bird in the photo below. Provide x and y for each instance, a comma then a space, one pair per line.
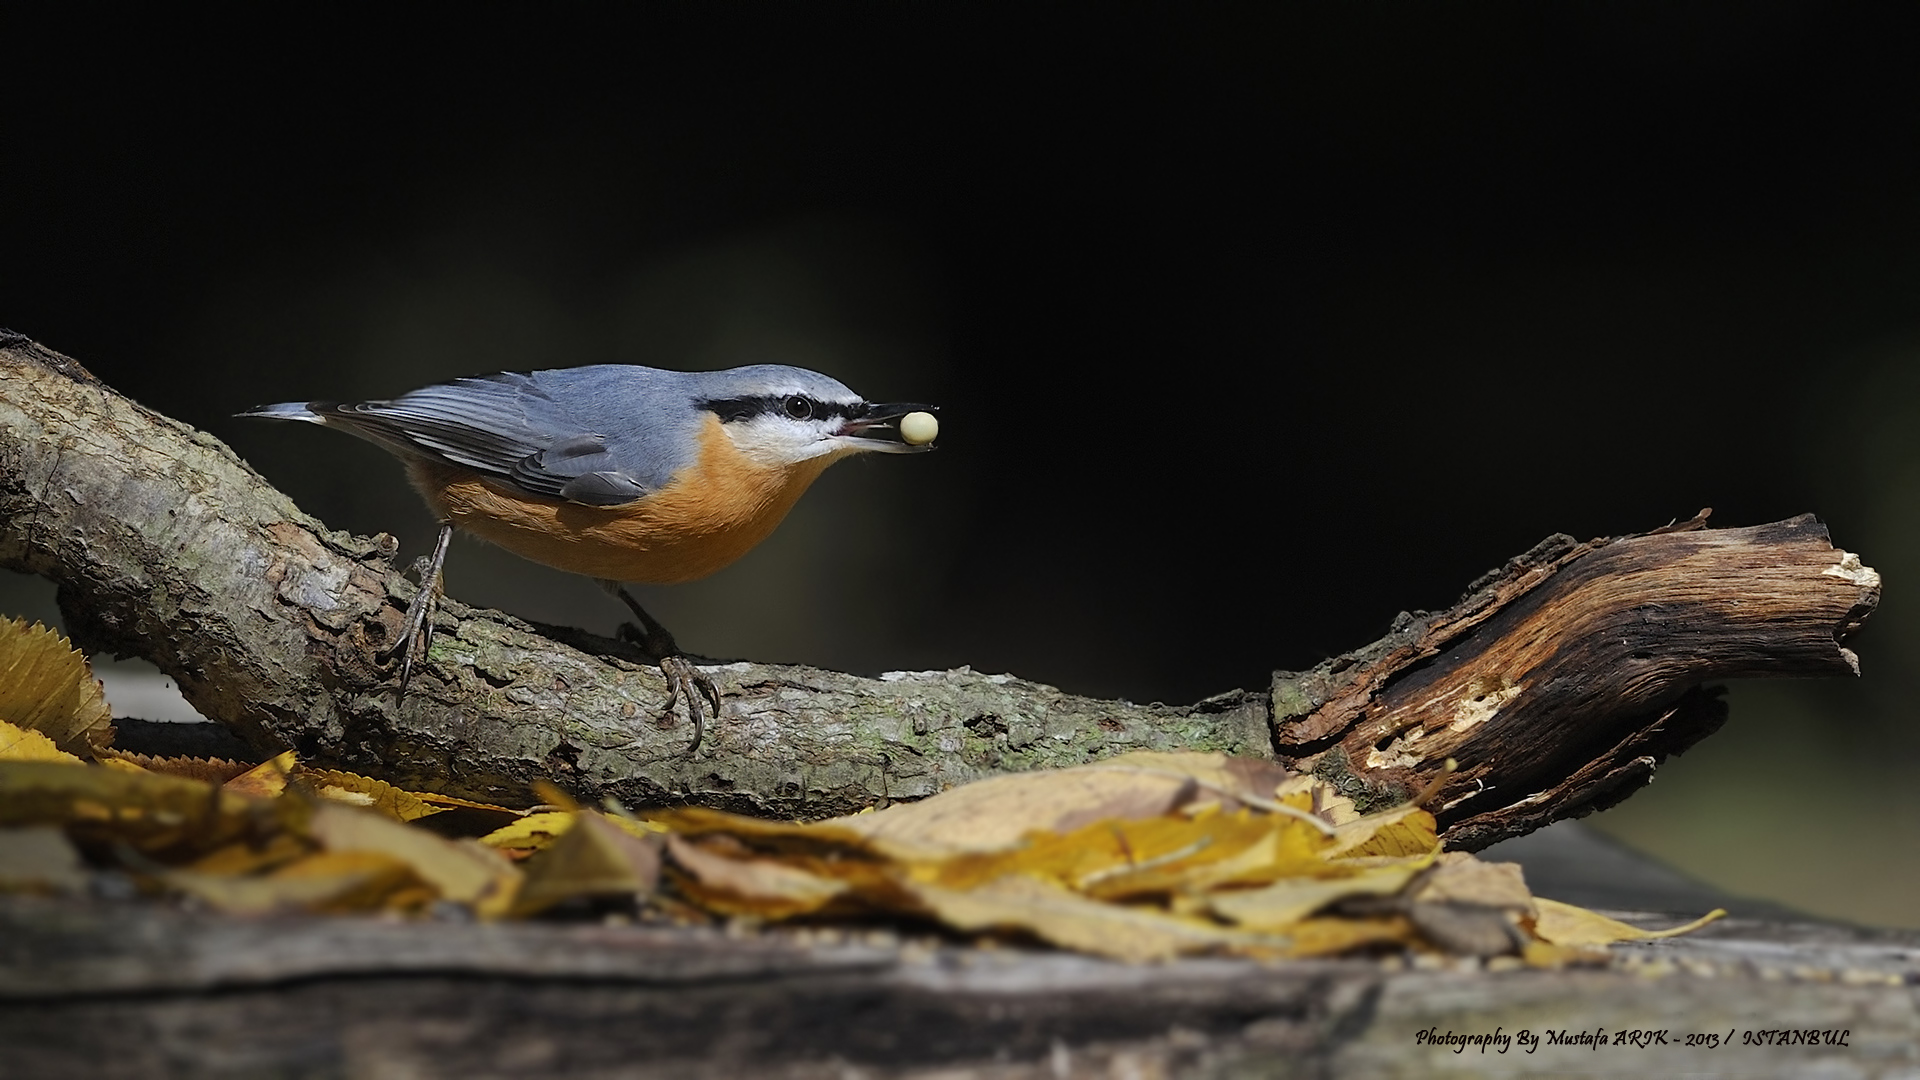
618, 472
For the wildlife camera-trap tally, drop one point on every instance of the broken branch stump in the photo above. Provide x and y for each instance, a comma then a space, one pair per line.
1562, 680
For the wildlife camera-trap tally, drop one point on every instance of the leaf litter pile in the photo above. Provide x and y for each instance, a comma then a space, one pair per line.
1142, 857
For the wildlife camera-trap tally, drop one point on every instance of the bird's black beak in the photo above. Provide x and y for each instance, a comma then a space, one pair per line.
877, 427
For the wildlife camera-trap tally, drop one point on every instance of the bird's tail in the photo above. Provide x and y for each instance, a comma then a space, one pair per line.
289, 410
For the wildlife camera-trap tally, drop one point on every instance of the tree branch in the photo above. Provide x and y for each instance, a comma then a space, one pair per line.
167, 546
1557, 684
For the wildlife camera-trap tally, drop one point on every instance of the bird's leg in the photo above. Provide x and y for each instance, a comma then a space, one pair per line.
684, 681
417, 633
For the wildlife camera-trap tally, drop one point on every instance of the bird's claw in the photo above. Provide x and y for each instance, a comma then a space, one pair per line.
684, 681
416, 633
687, 682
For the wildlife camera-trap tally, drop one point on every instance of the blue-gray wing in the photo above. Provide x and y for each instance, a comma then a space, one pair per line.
562, 438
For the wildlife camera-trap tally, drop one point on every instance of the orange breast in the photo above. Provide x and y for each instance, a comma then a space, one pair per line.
713, 512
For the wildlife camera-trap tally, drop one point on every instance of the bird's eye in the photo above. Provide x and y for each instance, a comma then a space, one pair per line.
799, 408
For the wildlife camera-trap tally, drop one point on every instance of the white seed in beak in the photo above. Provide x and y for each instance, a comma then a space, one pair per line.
918, 428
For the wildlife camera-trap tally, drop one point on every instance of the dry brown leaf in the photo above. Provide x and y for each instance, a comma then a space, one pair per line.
206, 770
147, 811
533, 832
594, 857
364, 791
453, 802
465, 873
1244, 849
752, 885
1330, 936
465, 817
254, 857
995, 813
1460, 878
1321, 797
1394, 834
1116, 859
634, 827
1056, 914
324, 881
1143, 858
267, 780
46, 686
1277, 907
818, 837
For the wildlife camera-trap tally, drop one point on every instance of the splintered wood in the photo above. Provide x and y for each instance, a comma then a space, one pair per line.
1561, 681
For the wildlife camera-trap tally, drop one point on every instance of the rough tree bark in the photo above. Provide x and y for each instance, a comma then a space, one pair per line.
1557, 684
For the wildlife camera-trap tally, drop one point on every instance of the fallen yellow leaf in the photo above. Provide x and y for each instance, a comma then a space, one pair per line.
1565, 924
531, 833
26, 744
1331, 936
1143, 858
1060, 916
267, 780
46, 686
1397, 833
363, 791
1281, 905
147, 811
465, 873
324, 881
749, 886
252, 858
595, 857
995, 813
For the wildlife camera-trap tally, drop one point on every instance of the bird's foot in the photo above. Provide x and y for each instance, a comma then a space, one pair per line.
695, 687
685, 682
416, 633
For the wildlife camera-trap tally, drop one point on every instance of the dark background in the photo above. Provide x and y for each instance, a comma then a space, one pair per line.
1251, 325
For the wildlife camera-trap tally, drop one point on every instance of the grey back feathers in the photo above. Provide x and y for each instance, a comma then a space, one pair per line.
601, 435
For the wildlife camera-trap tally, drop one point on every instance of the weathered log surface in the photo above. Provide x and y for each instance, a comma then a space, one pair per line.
108, 990
1557, 684
1563, 680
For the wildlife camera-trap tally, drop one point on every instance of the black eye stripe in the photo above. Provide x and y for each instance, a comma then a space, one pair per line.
796, 406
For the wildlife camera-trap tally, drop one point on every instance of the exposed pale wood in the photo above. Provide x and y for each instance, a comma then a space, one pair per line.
1561, 682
